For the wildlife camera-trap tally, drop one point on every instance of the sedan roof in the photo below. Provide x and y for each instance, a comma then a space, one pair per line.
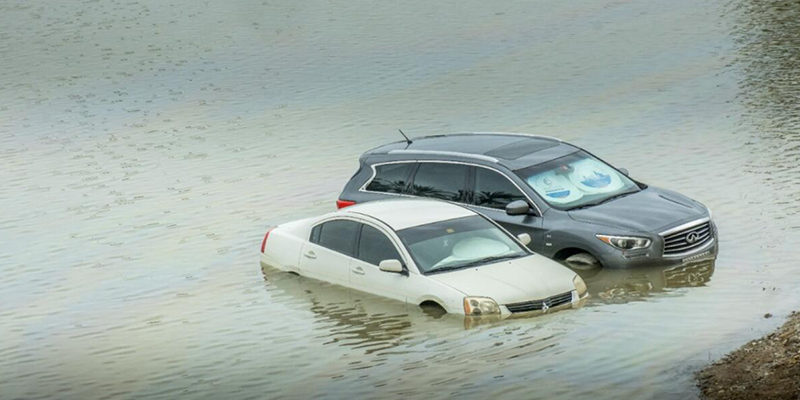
402, 214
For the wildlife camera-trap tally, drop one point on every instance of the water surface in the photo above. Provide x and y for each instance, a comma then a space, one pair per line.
145, 147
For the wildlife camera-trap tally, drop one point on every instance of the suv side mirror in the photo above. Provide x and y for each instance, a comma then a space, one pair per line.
519, 207
624, 171
524, 238
391, 266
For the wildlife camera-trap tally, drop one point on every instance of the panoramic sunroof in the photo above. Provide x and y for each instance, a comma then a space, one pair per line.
521, 148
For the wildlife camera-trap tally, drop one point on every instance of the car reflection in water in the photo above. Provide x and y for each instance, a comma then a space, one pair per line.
373, 323
615, 286
367, 321
353, 318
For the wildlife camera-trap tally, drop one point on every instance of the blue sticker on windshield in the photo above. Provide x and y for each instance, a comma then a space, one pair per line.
598, 180
559, 194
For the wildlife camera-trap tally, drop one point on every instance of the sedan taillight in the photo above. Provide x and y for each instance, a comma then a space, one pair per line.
264, 243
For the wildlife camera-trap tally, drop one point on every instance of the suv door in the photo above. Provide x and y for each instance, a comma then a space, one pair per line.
372, 247
327, 253
491, 192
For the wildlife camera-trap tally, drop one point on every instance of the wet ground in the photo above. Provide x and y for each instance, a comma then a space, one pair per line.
145, 147
764, 369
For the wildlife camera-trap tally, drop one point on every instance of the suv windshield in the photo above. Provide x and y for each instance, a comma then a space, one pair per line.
459, 243
576, 181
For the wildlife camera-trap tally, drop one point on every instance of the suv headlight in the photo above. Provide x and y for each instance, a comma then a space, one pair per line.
480, 306
626, 242
580, 285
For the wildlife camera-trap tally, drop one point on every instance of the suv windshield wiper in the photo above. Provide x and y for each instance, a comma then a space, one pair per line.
597, 203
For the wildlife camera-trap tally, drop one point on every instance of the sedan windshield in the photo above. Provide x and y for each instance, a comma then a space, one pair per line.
459, 243
577, 181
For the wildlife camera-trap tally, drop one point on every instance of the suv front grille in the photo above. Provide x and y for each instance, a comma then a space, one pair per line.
688, 239
538, 305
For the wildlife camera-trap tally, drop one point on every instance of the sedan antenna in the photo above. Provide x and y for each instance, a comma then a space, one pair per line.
409, 141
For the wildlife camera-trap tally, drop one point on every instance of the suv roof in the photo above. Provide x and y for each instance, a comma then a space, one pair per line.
513, 150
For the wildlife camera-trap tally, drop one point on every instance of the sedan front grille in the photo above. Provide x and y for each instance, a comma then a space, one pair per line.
688, 239
539, 305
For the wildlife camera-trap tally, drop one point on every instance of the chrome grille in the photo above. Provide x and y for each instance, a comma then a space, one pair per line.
538, 305
688, 239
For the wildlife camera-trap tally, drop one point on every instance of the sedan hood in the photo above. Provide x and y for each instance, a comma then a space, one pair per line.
530, 278
649, 210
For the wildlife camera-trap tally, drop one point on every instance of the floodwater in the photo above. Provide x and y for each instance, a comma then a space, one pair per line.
145, 146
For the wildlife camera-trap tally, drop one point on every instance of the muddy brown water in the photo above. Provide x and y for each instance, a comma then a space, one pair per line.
145, 146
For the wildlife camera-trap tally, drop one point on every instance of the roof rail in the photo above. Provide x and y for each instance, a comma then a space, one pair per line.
446, 153
513, 134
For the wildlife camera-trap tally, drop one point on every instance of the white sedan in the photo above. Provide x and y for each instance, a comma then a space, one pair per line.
425, 252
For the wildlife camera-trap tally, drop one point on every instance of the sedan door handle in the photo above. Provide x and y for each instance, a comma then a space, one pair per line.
310, 255
358, 270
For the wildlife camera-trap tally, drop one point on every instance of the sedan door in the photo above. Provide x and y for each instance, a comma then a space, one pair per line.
492, 191
328, 253
373, 247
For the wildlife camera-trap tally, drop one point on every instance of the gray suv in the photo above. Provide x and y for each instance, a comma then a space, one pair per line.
574, 206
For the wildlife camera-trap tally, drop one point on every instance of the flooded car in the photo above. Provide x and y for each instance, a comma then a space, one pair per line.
573, 205
427, 253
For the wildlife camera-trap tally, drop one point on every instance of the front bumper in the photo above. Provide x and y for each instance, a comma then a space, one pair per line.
654, 255
475, 321
577, 302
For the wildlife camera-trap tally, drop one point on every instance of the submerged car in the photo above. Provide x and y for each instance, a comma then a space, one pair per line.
425, 252
574, 206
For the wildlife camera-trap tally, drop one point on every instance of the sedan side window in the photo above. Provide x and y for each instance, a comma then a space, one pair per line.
375, 247
494, 190
390, 178
339, 236
440, 181
315, 234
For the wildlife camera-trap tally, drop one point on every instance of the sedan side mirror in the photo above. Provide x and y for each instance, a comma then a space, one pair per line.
624, 171
519, 207
524, 238
391, 266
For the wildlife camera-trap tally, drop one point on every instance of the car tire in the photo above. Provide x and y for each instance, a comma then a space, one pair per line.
583, 261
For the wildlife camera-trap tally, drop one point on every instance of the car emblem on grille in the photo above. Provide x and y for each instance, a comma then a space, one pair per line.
692, 237
545, 307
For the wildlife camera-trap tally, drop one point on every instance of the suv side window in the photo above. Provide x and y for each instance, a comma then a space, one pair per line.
375, 247
390, 178
494, 190
440, 181
339, 236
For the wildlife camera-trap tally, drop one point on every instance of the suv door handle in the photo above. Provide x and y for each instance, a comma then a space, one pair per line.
358, 270
310, 255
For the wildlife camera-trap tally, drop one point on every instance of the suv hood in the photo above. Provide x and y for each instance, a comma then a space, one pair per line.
529, 278
649, 210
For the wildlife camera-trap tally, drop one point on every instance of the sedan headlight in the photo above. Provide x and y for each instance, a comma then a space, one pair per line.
626, 242
580, 285
480, 306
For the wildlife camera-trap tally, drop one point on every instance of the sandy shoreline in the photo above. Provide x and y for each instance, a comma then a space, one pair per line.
767, 368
